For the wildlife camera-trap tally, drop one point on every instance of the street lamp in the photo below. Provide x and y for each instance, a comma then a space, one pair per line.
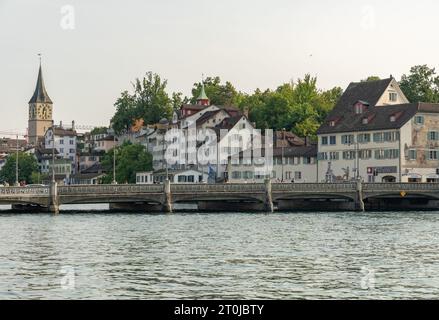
53, 155
16, 164
165, 123
283, 145
113, 132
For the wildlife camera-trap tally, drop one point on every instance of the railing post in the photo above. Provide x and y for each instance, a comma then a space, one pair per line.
54, 198
359, 204
167, 207
268, 196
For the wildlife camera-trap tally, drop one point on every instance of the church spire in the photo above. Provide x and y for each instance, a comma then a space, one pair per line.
40, 95
202, 99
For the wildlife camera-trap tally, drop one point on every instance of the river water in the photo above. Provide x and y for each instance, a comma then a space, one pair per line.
220, 256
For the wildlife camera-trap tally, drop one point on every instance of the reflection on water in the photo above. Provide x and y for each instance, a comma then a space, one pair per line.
249, 256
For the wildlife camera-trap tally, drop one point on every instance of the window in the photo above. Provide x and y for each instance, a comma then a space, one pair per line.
333, 155
332, 123
348, 155
324, 141
190, 179
72, 142
61, 150
347, 139
363, 138
432, 155
393, 96
386, 136
332, 140
288, 175
273, 174
365, 121
236, 174
249, 174
386, 154
307, 160
378, 137
61, 141
298, 175
419, 119
322, 156
138, 179
413, 155
365, 154
72, 150
433, 135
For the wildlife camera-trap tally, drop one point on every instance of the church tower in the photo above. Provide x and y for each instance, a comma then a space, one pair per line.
40, 112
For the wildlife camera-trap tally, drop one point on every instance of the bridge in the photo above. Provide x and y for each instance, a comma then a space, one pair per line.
266, 196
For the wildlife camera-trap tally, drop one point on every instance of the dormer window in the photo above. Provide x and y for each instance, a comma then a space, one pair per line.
365, 121
392, 118
332, 123
360, 107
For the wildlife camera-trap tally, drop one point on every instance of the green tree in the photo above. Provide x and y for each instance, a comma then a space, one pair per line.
149, 101
27, 165
130, 158
371, 78
219, 94
99, 130
421, 84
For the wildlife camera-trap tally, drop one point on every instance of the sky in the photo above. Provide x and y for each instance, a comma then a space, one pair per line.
93, 50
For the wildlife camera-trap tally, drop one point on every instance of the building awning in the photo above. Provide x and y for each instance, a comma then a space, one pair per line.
414, 176
432, 176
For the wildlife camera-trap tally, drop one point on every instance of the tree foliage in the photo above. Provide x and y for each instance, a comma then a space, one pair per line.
421, 84
297, 106
130, 158
218, 93
27, 164
149, 101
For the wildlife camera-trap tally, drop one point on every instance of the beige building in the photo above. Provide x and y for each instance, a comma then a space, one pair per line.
375, 134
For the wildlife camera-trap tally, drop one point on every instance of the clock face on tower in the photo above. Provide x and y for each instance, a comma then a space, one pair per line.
44, 112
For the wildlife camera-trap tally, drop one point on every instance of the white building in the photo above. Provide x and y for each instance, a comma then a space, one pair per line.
64, 141
374, 128
289, 165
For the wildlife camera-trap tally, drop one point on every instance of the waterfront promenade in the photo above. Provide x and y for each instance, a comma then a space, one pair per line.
265, 197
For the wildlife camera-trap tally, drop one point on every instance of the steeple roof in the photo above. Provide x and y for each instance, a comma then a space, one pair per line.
40, 95
203, 95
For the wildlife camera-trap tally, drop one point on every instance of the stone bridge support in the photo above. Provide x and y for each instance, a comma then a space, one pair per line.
268, 196
359, 203
167, 206
54, 198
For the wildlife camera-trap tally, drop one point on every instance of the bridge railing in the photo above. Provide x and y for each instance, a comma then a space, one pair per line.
227, 187
109, 189
310, 187
383, 187
31, 191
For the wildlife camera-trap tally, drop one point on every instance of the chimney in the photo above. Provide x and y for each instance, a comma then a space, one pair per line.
307, 141
60, 124
246, 112
73, 125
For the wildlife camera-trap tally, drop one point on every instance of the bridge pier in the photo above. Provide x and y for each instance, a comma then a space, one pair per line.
54, 198
359, 203
167, 206
268, 196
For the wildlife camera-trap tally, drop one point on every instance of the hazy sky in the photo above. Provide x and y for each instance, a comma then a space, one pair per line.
251, 43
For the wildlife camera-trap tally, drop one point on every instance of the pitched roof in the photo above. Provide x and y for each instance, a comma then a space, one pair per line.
379, 118
40, 94
203, 95
368, 93
206, 116
64, 132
